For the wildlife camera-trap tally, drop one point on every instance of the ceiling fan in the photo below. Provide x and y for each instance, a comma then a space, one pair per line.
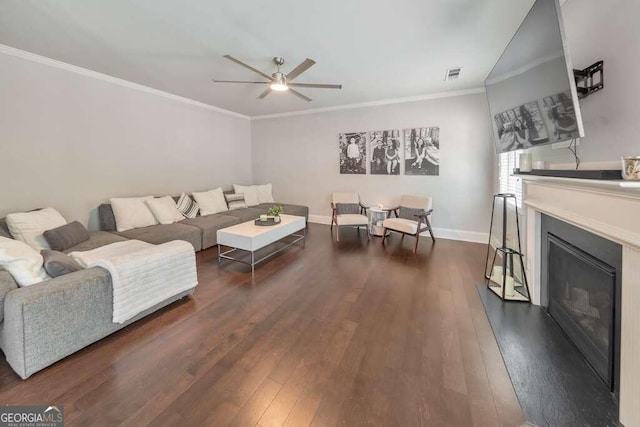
279, 81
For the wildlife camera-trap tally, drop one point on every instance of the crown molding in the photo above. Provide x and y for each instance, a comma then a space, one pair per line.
373, 103
8, 50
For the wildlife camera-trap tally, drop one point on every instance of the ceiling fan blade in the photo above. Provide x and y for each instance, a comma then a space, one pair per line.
265, 93
299, 95
321, 86
304, 66
239, 81
231, 58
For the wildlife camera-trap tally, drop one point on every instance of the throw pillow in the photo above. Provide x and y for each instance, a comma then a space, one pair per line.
187, 206
29, 227
66, 236
211, 202
347, 208
264, 193
164, 210
58, 263
235, 201
250, 193
132, 212
21, 261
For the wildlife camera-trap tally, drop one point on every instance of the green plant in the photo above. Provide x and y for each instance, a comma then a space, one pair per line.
275, 210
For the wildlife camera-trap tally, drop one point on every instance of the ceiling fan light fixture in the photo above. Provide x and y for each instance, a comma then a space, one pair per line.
279, 82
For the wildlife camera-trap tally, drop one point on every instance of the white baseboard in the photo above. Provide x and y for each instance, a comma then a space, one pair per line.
320, 219
441, 233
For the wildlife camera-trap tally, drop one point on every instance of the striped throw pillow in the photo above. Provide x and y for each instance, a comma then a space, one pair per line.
235, 201
187, 206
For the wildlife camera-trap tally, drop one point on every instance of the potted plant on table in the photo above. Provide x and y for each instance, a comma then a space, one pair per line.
274, 212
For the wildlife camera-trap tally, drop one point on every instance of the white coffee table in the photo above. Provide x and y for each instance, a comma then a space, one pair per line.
251, 238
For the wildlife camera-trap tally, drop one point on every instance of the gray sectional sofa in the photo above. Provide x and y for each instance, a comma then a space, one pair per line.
43, 323
200, 231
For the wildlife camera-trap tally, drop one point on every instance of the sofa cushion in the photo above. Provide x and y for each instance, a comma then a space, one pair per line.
250, 193
210, 225
401, 224
22, 261
187, 206
164, 209
107, 219
264, 193
29, 227
211, 202
96, 240
246, 214
58, 263
7, 284
4, 229
66, 236
163, 233
235, 201
132, 212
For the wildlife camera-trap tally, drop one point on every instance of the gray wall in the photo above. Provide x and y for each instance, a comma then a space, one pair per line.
71, 142
299, 155
608, 31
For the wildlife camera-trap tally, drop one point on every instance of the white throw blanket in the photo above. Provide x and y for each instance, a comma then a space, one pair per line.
143, 274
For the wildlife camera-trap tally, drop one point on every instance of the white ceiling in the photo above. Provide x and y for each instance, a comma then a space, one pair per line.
377, 50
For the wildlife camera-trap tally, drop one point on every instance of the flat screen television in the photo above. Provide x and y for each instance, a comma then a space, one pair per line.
531, 90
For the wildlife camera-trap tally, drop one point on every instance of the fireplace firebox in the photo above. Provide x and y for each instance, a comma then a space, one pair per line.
581, 281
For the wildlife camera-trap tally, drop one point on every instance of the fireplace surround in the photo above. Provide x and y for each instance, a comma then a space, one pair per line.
607, 209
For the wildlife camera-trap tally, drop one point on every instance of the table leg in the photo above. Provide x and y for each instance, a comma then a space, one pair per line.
219, 255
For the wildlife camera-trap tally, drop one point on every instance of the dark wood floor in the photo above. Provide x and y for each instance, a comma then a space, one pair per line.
330, 334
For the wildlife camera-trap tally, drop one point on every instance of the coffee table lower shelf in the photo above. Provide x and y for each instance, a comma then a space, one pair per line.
253, 262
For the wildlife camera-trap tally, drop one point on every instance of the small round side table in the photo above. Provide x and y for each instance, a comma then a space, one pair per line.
376, 217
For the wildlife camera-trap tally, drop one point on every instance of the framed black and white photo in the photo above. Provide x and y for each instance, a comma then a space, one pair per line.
520, 128
422, 151
385, 152
562, 116
353, 153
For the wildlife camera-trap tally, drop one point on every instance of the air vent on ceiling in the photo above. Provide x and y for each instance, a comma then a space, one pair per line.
452, 73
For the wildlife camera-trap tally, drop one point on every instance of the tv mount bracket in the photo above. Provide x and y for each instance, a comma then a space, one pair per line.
589, 80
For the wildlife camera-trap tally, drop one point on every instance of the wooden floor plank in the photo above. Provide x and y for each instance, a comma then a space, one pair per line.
347, 333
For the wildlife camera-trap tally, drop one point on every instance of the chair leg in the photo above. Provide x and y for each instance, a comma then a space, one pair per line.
337, 233
384, 235
430, 230
415, 248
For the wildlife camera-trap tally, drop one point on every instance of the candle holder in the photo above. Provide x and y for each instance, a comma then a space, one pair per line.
505, 278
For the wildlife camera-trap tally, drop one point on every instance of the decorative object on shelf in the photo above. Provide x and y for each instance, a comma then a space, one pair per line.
274, 213
385, 152
422, 151
353, 153
525, 162
631, 168
506, 278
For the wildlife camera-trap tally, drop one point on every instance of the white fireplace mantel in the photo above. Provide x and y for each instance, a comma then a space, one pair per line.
610, 209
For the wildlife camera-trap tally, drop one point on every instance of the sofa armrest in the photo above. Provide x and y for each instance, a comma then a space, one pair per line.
39, 318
